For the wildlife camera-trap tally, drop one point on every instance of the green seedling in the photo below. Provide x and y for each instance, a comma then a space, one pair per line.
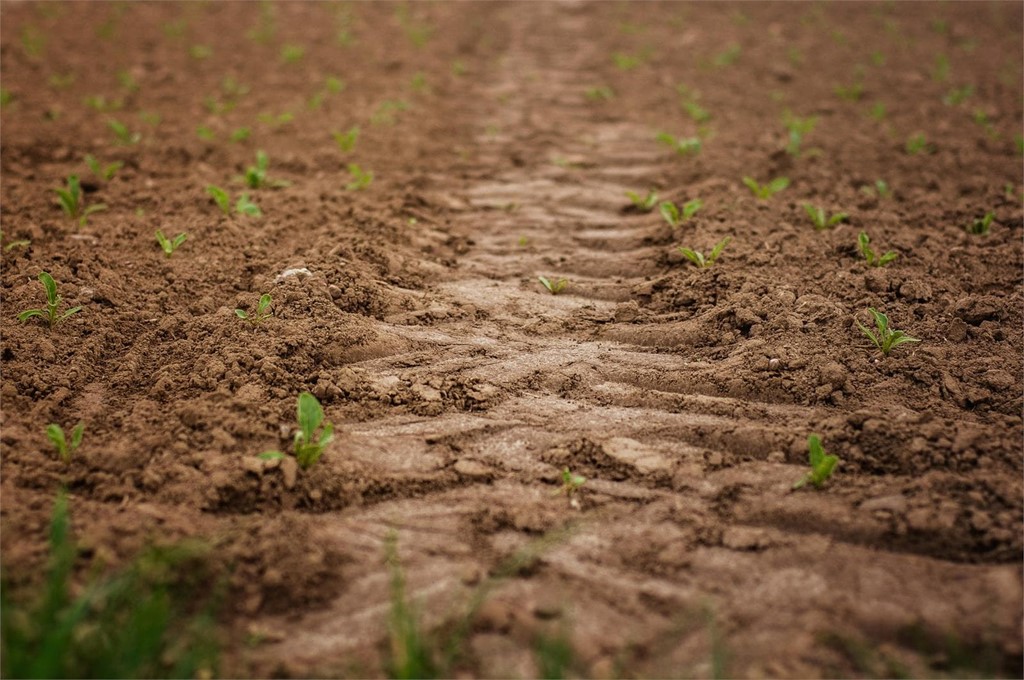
205, 133
71, 202
821, 219
917, 144
626, 62
244, 206
256, 175
684, 146
150, 117
887, 339
599, 93
261, 314
554, 287
307, 445
728, 57
292, 54
1018, 143
674, 216
200, 52
276, 120
346, 141
100, 103
877, 111
764, 192
940, 73
60, 82
360, 178
880, 189
17, 243
643, 203
688, 100
123, 134
958, 95
981, 225
852, 92
232, 88
64, 447
52, 303
797, 129
872, 258
6, 97
221, 198
127, 81
386, 111
167, 245
105, 172
570, 484
241, 134
699, 259
822, 464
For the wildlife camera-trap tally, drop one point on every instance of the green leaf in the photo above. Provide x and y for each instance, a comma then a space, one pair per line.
310, 415
76, 435
56, 435
816, 450
51, 287
179, 239
264, 302
241, 314
888, 257
221, 198
717, 250
670, 213
693, 256
29, 313
752, 185
778, 184
73, 310
271, 455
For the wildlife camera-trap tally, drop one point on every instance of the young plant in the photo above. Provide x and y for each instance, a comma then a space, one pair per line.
887, 338
764, 192
797, 128
256, 175
244, 206
64, 447
822, 464
554, 287
346, 141
262, 311
105, 172
873, 259
167, 245
599, 93
674, 216
360, 178
307, 445
221, 198
17, 243
71, 203
852, 92
699, 259
643, 203
52, 303
123, 134
684, 146
821, 219
570, 484
917, 144
981, 225
241, 134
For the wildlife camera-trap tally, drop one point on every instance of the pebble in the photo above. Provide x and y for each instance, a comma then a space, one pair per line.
290, 471
298, 271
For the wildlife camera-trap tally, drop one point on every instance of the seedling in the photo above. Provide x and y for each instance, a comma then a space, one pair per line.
821, 219
386, 111
886, 339
797, 128
346, 141
599, 93
764, 192
980, 225
570, 484
643, 203
262, 311
360, 178
873, 259
123, 134
200, 52
64, 447
105, 172
167, 245
17, 243
877, 111
205, 133
958, 95
71, 202
554, 287
728, 57
699, 259
674, 216
241, 134
626, 62
941, 72
292, 54
221, 198
852, 92
917, 144
684, 146
244, 206
822, 464
256, 175
52, 303
307, 446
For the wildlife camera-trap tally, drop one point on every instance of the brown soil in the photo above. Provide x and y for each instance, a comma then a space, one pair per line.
460, 388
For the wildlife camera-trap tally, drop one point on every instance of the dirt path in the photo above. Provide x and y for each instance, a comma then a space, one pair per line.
461, 388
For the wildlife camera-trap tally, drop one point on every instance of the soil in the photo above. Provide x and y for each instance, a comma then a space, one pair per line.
460, 388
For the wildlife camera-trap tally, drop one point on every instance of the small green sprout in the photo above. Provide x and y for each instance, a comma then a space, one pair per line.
570, 484
17, 243
221, 198
105, 172
6, 97
797, 128
385, 112
766, 191
674, 216
981, 225
688, 100
360, 178
554, 287
346, 141
599, 93
643, 203
958, 95
941, 72
71, 202
917, 144
232, 88
52, 303
822, 464
699, 259
200, 52
64, 447
292, 54
256, 175
262, 311
127, 80
276, 120
307, 446
244, 206
241, 134
886, 339
123, 134
728, 57
821, 219
626, 62
60, 82
150, 117
205, 133
167, 245
100, 103
852, 92
684, 146
877, 111
872, 258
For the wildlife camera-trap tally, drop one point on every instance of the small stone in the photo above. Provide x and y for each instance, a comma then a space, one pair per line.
290, 471
472, 469
916, 290
335, 292
316, 495
295, 271
774, 364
